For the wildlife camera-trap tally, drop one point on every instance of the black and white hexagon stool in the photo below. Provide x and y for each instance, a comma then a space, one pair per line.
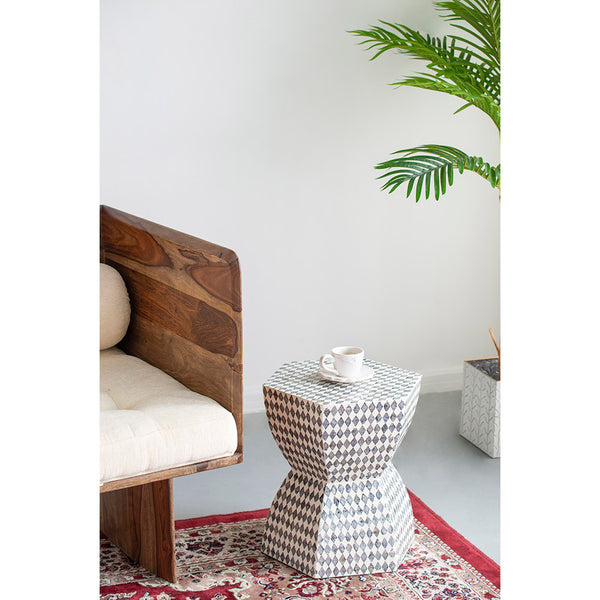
343, 508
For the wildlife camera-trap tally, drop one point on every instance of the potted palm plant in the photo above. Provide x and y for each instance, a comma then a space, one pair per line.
465, 65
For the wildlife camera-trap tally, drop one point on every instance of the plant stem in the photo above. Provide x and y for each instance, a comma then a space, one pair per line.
497, 350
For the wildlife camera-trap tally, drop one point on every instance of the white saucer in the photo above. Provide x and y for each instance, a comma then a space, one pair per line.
365, 373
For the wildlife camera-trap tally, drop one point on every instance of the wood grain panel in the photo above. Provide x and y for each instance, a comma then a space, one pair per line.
140, 521
196, 267
125, 238
116, 219
189, 277
188, 317
218, 281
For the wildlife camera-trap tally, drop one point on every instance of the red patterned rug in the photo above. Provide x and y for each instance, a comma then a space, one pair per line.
219, 558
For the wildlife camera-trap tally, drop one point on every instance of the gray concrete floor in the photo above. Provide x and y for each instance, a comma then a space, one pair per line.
454, 478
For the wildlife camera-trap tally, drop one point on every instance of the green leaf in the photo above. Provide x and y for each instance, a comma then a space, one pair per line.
419, 187
432, 161
443, 175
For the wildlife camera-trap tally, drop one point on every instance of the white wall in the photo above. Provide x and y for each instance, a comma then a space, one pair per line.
256, 124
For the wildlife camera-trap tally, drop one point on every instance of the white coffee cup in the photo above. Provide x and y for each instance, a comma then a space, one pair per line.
344, 361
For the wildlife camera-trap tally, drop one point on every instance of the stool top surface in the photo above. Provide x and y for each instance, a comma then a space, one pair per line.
302, 379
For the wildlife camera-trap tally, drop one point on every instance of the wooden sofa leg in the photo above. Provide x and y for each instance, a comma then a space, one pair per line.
140, 521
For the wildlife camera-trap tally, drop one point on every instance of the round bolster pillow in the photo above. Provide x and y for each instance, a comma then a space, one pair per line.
115, 309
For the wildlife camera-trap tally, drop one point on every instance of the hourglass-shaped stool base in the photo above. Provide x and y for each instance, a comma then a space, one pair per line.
331, 529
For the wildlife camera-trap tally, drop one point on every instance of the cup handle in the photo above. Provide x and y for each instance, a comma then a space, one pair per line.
325, 363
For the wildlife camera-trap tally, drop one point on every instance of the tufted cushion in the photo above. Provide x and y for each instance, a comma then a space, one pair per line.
115, 310
149, 421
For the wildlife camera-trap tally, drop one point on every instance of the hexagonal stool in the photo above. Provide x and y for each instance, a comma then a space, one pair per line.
343, 508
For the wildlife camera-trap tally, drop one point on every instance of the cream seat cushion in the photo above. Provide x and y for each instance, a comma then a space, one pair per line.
149, 421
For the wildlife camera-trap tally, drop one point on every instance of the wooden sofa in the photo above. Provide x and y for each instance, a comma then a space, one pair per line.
186, 320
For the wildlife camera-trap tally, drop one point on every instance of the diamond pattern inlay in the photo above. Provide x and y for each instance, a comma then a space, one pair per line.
343, 508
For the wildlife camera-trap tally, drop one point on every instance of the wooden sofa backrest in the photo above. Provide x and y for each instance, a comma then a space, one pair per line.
186, 305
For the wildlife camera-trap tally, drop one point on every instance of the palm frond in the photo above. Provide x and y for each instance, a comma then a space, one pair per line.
483, 20
469, 93
469, 70
419, 166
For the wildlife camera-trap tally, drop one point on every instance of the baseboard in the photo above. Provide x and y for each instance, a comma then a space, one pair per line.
434, 382
442, 380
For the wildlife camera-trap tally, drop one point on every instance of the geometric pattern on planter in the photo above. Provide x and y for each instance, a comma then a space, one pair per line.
343, 508
480, 410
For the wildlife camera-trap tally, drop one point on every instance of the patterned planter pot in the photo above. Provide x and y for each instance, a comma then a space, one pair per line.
480, 410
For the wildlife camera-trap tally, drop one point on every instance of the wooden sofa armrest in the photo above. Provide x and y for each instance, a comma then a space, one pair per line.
186, 305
